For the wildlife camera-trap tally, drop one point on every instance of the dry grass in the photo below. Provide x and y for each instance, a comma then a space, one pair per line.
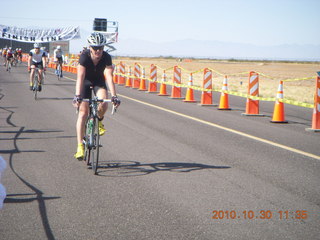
301, 91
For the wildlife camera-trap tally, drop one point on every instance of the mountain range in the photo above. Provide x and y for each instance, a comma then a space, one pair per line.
190, 48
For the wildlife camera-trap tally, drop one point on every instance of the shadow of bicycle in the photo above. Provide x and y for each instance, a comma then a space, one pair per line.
134, 168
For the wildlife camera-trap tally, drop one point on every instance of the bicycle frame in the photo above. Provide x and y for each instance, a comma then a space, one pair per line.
92, 138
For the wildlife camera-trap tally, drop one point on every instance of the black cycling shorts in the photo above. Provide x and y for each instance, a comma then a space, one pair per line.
38, 64
87, 92
59, 59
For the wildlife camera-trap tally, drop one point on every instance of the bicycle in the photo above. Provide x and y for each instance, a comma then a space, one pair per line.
43, 76
36, 83
92, 138
9, 64
59, 71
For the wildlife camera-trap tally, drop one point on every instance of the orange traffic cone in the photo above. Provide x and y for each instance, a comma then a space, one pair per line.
163, 86
142, 86
128, 80
278, 113
316, 109
224, 98
189, 94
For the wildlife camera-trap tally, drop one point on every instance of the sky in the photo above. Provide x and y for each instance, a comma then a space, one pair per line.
258, 22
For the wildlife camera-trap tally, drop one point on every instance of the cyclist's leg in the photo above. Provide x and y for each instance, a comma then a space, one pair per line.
80, 128
40, 66
60, 62
82, 117
81, 121
102, 93
7, 63
31, 76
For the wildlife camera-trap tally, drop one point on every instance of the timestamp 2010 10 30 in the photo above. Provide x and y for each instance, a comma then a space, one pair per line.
260, 214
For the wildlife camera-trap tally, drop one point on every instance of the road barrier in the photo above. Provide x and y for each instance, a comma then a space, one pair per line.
253, 98
122, 70
137, 73
176, 83
252, 105
316, 110
153, 76
206, 95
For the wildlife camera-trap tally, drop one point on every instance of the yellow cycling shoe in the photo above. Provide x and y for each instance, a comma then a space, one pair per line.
80, 152
102, 130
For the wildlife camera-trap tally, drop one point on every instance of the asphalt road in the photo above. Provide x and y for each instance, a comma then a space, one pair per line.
169, 170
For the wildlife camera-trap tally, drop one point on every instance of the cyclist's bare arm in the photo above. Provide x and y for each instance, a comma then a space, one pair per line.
29, 61
81, 71
108, 73
44, 62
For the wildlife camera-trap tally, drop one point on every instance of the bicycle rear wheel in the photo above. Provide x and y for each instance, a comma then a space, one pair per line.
96, 145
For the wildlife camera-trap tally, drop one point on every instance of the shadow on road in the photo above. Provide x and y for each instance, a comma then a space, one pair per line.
134, 168
55, 98
36, 195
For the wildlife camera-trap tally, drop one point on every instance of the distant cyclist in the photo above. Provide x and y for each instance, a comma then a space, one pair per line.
4, 55
37, 58
9, 57
95, 69
19, 55
58, 58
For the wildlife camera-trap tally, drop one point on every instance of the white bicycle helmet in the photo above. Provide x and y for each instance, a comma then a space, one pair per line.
96, 40
58, 47
36, 45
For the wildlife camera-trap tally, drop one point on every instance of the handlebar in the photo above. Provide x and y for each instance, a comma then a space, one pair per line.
114, 108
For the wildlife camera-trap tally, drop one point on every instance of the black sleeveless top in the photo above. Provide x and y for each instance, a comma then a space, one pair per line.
94, 73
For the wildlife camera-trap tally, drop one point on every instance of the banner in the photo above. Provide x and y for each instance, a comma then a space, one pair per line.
39, 35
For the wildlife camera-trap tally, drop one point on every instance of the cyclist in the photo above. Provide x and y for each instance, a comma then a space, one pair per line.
19, 55
9, 57
95, 69
37, 58
58, 58
15, 57
4, 55
47, 54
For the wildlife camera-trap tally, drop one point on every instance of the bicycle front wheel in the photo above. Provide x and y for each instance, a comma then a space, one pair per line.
87, 144
96, 145
9, 66
59, 72
35, 86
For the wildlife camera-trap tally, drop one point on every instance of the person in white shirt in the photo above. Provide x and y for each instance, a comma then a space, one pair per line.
58, 58
37, 58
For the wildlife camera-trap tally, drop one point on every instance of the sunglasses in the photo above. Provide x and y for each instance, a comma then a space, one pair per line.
97, 48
